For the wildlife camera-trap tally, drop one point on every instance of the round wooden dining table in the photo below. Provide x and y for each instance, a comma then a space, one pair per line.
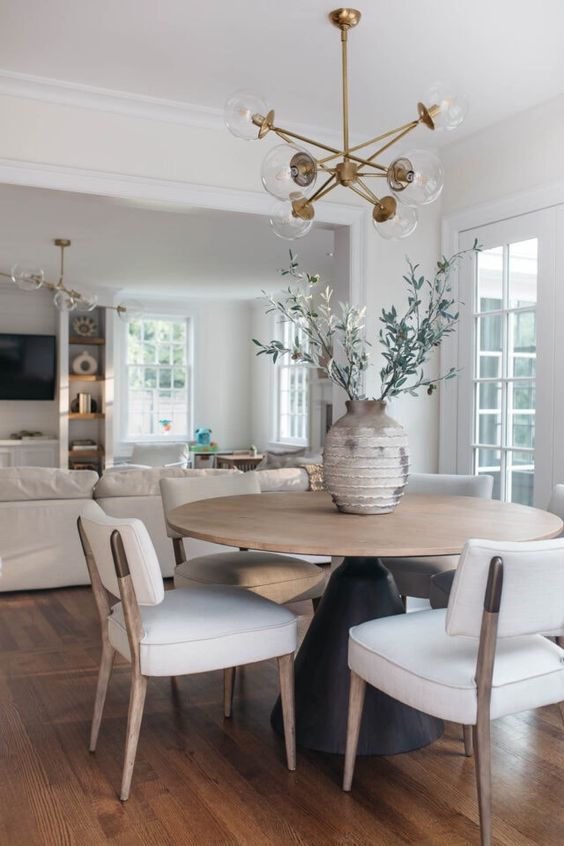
360, 589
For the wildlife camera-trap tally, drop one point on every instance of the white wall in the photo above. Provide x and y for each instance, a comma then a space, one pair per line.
52, 134
31, 313
512, 156
221, 374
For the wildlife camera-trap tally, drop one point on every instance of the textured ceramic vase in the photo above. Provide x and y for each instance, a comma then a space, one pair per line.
366, 459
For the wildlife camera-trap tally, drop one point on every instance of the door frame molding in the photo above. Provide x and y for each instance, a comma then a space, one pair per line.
453, 226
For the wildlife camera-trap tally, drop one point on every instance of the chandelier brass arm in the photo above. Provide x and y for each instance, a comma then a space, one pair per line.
289, 172
31, 278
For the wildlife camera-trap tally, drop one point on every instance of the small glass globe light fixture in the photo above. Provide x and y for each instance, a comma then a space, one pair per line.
63, 301
393, 220
240, 109
27, 277
451, 109
87, 302
416, 177
288, 225
288, 172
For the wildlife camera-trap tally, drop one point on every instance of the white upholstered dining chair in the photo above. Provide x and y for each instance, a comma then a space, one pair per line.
281, 578
413, 575
483, 658
175, 632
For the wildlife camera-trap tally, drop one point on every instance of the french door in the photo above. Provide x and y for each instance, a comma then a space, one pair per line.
507, 350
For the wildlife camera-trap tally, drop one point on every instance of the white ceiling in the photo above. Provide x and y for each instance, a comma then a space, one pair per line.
189, 253
507, 55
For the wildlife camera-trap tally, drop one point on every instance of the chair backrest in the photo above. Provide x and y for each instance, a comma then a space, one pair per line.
176, 492
444, 484
142, 559
532, 599
556, 504
160, 455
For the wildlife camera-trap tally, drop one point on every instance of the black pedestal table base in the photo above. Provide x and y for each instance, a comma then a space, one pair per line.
360, 589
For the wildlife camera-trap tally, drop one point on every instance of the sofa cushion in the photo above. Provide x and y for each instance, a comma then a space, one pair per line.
283, 479
143, 482
160, 455
39, 483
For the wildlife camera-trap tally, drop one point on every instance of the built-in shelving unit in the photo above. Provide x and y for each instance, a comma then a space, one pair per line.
95, 425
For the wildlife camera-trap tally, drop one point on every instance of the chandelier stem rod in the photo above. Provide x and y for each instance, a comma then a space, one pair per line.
368, 191
411, 125
345, 79
321, 191
62, 273
389, 144
361, 194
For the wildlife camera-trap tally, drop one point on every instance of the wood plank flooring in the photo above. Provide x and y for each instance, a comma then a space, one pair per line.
205, 781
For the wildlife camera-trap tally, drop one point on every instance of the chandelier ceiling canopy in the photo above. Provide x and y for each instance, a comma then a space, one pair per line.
291, 172
28, 277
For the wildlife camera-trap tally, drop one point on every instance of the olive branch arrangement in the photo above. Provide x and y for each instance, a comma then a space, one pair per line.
334, 341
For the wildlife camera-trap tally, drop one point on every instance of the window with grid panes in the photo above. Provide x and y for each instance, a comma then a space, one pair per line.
157, 377
504, 384
293, 392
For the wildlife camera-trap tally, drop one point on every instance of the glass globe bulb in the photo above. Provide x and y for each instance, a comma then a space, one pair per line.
130, 310
27, 277
288, 172
416, 177
87, 302
64, 301
452, 109
286, 225
239, 110
402, 224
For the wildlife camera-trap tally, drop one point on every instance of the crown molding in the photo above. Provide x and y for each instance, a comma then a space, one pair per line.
60, 92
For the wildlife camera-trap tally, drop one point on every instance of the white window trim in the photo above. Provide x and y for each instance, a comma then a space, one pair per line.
125, 441
550, 201
277, 440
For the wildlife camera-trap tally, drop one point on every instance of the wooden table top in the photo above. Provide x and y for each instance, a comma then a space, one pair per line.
308, 523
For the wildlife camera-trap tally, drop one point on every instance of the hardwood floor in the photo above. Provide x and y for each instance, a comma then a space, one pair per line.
206, 781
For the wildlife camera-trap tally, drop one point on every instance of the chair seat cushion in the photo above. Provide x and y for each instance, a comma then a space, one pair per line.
281, 578
413, 575
411, 658
193, 631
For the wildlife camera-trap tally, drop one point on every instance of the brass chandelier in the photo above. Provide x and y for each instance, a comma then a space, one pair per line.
28, 277
289, 172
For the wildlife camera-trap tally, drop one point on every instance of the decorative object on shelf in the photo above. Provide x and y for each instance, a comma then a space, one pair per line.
203, 437
253, 450
84, 403
366, 457
290, 172
75, 405
25, 434
194, 446
83, 445
84, 326
85, 364
29, 277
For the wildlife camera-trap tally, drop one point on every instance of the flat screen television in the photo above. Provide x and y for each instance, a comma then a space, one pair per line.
28, 367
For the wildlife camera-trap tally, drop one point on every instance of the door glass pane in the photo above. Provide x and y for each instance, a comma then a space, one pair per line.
490, 333
489, 366
523, 273
522, 411
489, 413
488, 462
490, 279
521, 473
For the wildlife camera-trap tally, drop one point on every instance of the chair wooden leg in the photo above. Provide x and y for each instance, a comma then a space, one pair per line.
104, 674
468, 741
356, 704
286, 673
228, 688
134, 717
484, 778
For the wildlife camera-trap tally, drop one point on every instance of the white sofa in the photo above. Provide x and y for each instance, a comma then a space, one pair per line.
39, 507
